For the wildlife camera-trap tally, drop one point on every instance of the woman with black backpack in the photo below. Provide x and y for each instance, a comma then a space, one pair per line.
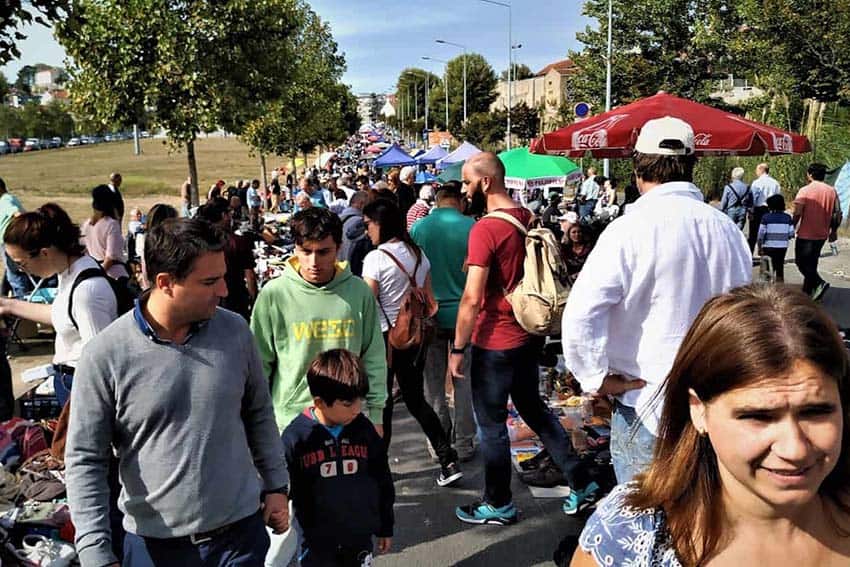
45, 243
393, 269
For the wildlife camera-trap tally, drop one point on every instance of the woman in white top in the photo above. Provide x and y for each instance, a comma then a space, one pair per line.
45, 243
388, 270
102, 234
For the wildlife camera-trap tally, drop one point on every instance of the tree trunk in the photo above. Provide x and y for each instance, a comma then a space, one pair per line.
137, 148
193, 172
263, 176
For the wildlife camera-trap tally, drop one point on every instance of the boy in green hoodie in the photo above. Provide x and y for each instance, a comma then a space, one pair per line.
317, 305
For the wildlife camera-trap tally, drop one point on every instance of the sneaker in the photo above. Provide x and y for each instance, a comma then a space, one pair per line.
579, 500
483, 513
819, 291
449, 474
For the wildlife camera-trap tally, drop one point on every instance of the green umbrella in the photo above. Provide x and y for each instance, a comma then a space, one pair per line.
451, 173
523, 169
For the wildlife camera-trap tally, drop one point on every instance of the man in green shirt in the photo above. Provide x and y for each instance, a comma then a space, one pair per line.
10, 207
443, 236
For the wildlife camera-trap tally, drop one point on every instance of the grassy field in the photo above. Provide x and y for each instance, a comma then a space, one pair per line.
67, 175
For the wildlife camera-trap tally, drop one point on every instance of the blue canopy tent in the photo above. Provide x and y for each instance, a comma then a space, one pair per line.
393, 156
437, 152
425, 177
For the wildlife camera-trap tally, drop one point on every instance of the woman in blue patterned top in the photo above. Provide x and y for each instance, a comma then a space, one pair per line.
752, 466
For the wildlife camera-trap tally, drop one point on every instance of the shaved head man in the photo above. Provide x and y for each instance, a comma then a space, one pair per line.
504, 355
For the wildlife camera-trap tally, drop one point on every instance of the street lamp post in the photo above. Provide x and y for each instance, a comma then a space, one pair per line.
510, 57
464, 71
605, 164
427, 88
513, 68
445, 83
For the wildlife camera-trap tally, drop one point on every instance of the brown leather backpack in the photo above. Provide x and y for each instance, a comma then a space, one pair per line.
415, 316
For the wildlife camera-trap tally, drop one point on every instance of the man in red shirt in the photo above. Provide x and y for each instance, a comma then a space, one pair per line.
504, 356
813, 207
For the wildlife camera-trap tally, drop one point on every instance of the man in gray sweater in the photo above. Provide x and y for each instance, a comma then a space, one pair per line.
176, 387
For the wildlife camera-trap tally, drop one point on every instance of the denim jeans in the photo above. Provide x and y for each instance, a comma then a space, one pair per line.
586, 208
408, 368
738, 216
497, 374
244, 545
631, 443
62, 384
461, 425
807, 256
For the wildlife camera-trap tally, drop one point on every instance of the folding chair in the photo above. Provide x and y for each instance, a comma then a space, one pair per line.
39, 294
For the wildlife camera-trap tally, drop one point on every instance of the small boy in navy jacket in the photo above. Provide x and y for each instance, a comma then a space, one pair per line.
340, 482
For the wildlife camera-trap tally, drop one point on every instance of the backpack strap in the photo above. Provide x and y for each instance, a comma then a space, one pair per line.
86, 274
509, 218
410, 278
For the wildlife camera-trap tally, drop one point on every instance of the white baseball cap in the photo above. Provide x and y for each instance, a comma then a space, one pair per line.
666, 136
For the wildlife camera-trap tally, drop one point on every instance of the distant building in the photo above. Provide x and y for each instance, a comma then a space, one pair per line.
735, 90
47, 78
56, 94
364, 106
547, 89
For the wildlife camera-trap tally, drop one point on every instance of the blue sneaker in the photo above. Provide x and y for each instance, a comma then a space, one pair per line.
483, 513
579, 500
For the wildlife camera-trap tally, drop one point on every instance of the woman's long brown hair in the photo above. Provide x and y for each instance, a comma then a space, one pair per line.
749, 333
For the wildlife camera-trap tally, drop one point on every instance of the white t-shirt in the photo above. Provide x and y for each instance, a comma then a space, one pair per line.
94, 309
391, 282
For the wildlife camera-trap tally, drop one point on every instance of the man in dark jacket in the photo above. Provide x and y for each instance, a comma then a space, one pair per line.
355, 243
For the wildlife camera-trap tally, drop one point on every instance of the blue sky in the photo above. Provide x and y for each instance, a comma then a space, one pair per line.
382, 37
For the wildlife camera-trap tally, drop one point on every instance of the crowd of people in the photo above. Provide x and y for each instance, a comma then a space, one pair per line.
197, 411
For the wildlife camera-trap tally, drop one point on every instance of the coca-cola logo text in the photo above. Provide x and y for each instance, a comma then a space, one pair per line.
702, 139
596, 135
782, 143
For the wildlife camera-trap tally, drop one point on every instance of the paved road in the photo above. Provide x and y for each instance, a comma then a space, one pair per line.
427, 532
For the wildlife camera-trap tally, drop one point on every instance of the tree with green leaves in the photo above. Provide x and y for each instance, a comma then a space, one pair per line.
315, 108
486, 129
194, 66
16, 15
480, 86
525, 122
679, 46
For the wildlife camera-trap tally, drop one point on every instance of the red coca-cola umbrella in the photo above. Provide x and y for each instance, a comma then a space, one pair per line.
613, 134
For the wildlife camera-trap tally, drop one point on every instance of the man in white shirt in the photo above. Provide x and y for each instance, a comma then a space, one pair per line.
762, 189
643, 285
589, 193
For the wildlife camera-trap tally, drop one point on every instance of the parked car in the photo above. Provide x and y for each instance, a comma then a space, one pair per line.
74, 142
32, 144
144, 134
46, 143
4, 147
56, 142
16, 145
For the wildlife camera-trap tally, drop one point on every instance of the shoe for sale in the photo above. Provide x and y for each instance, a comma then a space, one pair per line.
579, 500
449, 474
545, 477
483, 513
535, 462
819, 291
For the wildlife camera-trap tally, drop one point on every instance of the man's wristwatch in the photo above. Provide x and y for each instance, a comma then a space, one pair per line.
460, 350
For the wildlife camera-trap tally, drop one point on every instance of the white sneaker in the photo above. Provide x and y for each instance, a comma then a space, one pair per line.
47, 552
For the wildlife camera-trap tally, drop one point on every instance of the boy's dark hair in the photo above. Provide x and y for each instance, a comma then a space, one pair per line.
337, 374
776, 203
315, 223
214, 210
817, 171
173, 246
664, 169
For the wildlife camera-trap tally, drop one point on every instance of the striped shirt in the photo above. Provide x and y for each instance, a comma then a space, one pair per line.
776, 230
